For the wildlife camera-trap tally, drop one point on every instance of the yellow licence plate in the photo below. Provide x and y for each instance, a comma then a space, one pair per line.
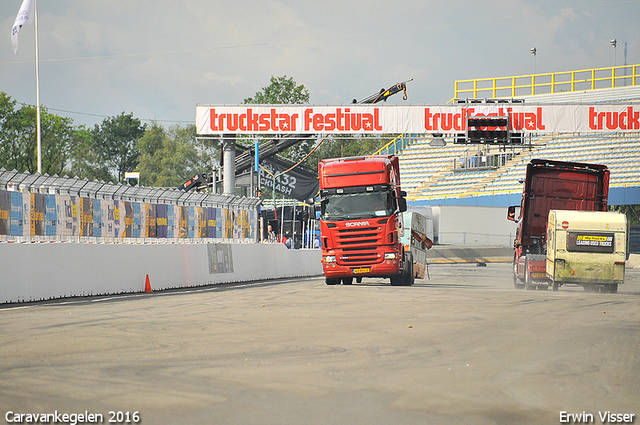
539, 275
362, 270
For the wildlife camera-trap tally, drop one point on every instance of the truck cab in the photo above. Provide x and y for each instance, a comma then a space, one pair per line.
551, 185
361, 220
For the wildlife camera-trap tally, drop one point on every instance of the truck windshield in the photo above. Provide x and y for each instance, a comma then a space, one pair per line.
357, 205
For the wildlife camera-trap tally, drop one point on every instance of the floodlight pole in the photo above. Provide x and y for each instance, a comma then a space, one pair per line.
38, 119
614, 43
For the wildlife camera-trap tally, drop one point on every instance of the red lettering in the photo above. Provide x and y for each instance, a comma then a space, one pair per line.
307, 118
539, 119
274, 125
339, 119
436, 116
284, 122
633, 119
367, 122
212, 119
243, 122
264, 122
252, 120
330, 122
517, 121
612, 120
376, 120
593, 124
601, 117
457, 122
622, 122
232, 122
356, 122
347, 121
427, 119
447, 122
318, 122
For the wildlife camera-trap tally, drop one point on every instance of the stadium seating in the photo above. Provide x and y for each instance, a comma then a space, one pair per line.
435, 172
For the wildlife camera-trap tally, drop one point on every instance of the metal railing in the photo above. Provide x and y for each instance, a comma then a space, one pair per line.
395, 145
555, 82
42, 208
482, 161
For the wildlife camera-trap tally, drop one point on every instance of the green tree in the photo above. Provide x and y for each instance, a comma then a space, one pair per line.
115, 143
18, 138
7, 105
169, 157
85, 161
281, 91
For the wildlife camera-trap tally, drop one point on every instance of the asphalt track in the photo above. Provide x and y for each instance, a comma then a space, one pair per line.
463, 347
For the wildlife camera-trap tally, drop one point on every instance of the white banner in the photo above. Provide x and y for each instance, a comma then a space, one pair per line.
448, 119
25, 16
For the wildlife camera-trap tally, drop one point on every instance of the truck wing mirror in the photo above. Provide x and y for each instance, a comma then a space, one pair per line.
513, 213
402, 204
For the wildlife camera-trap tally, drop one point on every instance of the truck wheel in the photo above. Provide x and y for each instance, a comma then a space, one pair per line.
407, 272
527, 281
554, 286
517, 283
347, 280
396, 280
331, 281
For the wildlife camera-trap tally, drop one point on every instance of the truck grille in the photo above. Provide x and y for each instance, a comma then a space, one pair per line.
359, 245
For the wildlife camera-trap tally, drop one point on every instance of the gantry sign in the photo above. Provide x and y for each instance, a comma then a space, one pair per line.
425, 119
468, 122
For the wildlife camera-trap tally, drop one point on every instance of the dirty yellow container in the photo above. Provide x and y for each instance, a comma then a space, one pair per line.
587, 248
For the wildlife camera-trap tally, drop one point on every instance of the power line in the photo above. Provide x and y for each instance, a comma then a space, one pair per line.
109, 116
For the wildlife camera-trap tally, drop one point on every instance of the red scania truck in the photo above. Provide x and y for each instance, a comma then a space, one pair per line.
361, 220
551, 185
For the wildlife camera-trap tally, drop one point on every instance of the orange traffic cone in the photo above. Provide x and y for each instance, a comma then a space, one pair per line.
147, 285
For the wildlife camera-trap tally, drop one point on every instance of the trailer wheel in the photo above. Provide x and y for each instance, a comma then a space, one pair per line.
407, 271
332, 281
347, 280
613, 288
554, 286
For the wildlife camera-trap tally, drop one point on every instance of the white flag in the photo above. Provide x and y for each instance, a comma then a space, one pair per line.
25, 16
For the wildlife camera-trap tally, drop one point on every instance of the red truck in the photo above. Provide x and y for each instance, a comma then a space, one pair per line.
551, 185
361, 220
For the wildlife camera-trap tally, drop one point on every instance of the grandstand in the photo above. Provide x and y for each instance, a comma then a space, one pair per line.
437, 171
456, 172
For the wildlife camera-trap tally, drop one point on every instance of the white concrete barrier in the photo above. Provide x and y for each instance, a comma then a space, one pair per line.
42, 271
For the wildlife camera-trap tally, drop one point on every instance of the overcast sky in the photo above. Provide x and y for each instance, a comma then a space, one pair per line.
159, 59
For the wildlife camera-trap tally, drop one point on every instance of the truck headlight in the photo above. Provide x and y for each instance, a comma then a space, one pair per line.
389, 255
330, 259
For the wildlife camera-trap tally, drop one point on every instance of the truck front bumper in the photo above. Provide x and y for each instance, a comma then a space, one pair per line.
387, 268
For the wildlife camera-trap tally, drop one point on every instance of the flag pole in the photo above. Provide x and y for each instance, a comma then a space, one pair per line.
38, 125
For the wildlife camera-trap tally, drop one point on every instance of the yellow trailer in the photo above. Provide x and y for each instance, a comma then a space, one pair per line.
587, 248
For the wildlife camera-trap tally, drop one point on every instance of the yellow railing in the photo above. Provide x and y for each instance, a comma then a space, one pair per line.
395, 145
556, 82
